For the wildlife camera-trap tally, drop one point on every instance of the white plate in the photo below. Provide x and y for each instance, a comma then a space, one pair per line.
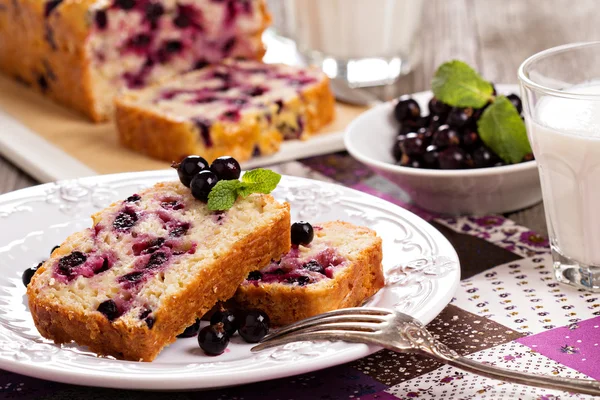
47, 163
422, 273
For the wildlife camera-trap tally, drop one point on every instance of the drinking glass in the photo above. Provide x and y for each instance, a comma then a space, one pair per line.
560, 88
362, 42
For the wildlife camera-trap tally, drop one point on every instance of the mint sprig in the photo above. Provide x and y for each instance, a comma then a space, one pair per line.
500, 126
225, 193
502, 130
457, 84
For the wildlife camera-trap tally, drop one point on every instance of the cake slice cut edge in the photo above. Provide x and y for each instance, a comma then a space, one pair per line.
238, 107
340, 268
149, 267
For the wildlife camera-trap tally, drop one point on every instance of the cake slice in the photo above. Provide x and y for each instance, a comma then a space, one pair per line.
239, 108
340, 268
150, 266
83, 52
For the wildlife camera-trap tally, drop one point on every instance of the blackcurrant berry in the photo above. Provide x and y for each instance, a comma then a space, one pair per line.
413, 145
407, 109
202, 184
213, 339
189, 167
516, 101
226, 168
254, 326
302, 233
227, 318
445, 137
191, 330
28, 274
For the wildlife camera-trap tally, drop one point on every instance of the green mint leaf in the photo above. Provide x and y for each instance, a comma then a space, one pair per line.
259, 181
457, 84
502, 130
223, 195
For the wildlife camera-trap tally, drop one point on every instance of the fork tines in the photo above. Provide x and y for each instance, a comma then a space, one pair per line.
349, 323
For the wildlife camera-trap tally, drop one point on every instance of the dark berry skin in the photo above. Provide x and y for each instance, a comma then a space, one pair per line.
302, 233
191, 330
484, 158
314, 266
516, 101
227, 318
430, 158
125, 219
445, 136
109, 309
300, 280
436, 107
67, 263
226, 168
202, 184
213, 339
412, 162
189, 167
407, 109
470, 140
413, 145
254, 326
254, 276
28, 274
459, 117
436, 121
454, 158
397, 149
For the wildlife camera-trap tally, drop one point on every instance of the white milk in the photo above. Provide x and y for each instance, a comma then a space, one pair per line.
352, 29
566, 144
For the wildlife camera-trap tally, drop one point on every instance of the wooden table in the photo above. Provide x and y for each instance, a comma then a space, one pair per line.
494, 36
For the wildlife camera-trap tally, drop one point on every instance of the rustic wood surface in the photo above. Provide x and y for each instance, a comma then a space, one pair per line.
494, 36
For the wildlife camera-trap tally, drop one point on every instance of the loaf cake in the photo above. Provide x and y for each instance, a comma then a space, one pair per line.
150, 266
83, 52
239, 108
340, 268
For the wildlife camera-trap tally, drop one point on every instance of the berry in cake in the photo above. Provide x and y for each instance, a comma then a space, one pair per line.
235, 108
213, 339
340, 267
95, 49
150, 266
254, 326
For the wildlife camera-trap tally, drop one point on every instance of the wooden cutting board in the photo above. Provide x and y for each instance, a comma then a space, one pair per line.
96, 145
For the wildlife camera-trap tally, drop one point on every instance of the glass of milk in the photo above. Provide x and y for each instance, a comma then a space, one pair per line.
560, 88
362, 42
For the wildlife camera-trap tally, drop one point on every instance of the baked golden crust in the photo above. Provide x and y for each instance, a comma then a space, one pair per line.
286, 304
166, 138
219, 281
170, 140
50, 54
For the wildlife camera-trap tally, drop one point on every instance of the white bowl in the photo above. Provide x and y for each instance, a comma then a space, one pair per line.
369, 139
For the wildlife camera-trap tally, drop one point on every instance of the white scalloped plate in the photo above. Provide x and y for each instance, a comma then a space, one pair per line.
422, 274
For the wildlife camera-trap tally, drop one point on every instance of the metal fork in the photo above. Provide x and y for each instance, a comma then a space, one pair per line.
402, 333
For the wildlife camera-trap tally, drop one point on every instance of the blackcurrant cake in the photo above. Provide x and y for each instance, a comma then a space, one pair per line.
83, 52
339, 268
237, 107
150, 266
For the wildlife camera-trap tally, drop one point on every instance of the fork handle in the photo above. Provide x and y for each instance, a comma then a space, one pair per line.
442, 353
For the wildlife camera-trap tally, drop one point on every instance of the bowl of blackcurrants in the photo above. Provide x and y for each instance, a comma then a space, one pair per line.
438, 159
